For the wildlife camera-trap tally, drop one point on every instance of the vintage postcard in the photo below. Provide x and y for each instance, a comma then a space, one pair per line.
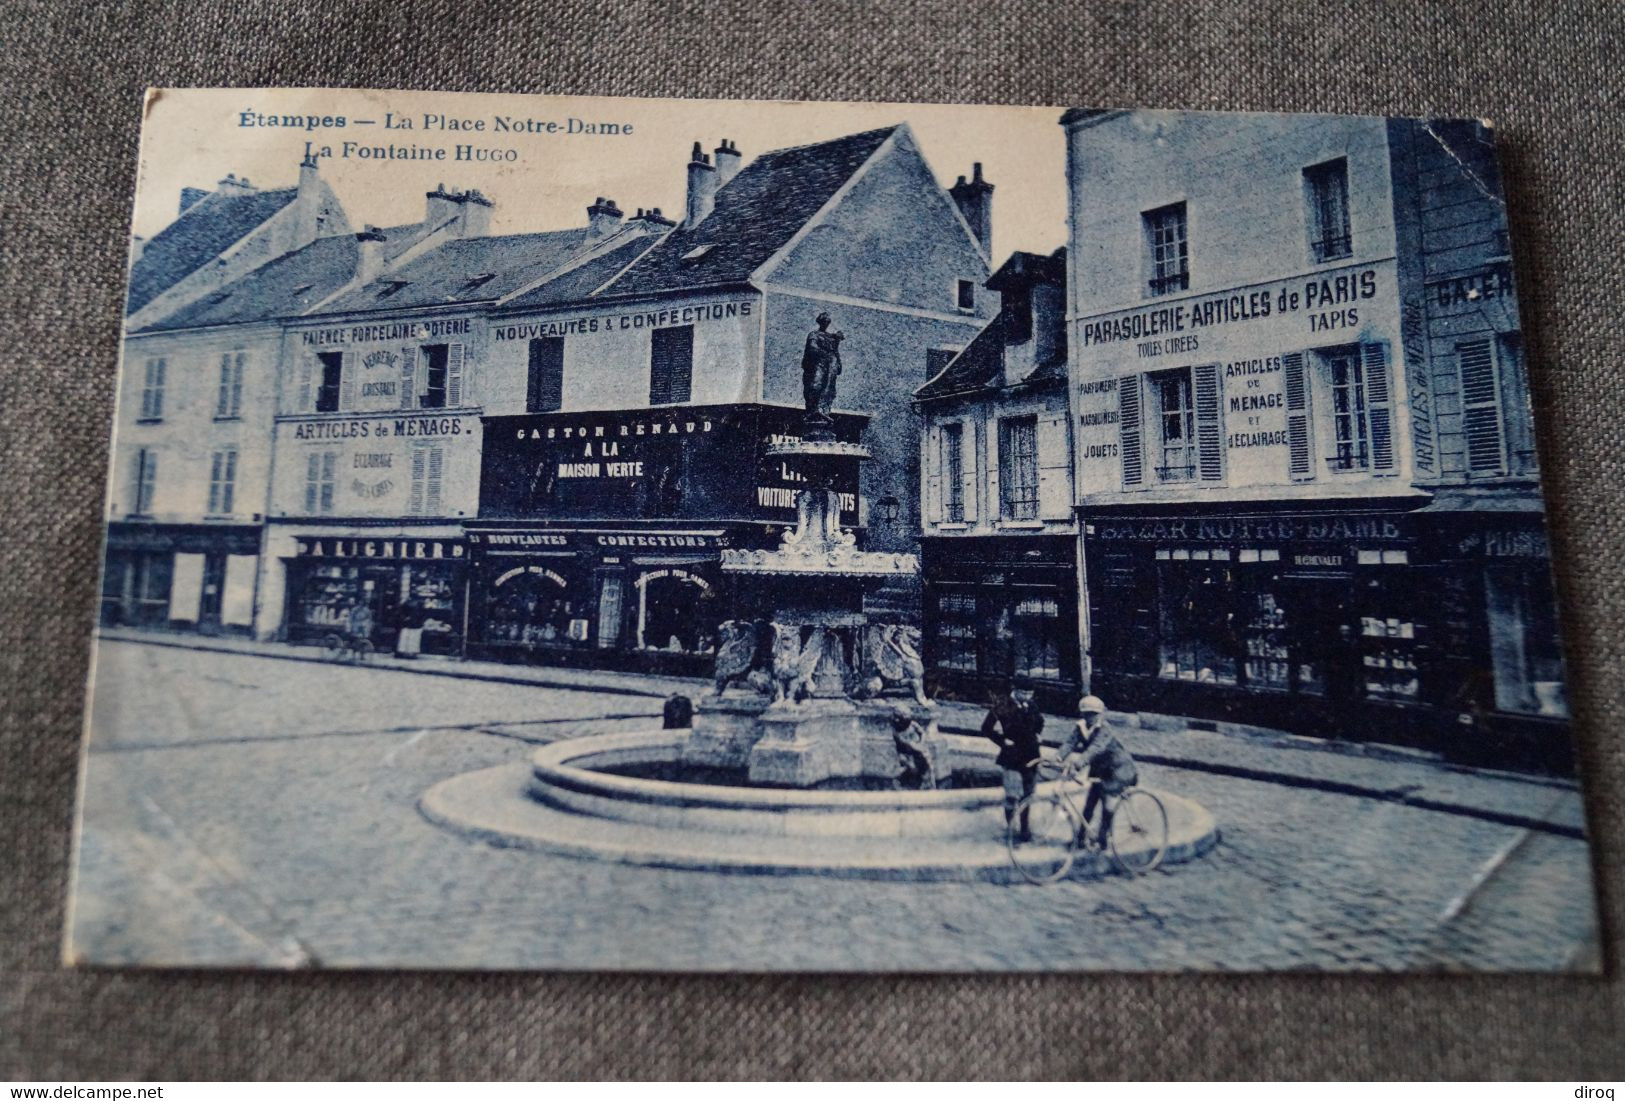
618, 533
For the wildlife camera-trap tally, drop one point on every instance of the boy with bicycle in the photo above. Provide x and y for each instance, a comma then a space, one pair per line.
1093, 747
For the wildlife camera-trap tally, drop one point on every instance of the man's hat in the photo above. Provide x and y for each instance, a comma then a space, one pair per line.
1091, 705
822, 316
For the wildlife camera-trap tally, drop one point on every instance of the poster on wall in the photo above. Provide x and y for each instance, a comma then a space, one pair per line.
677, 535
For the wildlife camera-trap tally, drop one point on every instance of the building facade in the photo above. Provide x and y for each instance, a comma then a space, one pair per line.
1264, 418
999, 549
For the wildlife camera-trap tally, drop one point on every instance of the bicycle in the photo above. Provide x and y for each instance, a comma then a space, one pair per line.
343, 647
1137, 841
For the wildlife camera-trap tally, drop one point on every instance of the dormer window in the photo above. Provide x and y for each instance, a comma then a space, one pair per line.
392, 287
698, 253
304, 289
480, 280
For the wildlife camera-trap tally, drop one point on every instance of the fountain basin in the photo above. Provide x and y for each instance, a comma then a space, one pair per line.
561, 803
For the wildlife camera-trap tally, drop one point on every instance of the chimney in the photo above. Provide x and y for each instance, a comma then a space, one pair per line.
440, 207
309, 176
975, 202
190, 196
727, 160
650, 221
138, 245
476, 214
232, 185
702, 188
603, 217
370, 261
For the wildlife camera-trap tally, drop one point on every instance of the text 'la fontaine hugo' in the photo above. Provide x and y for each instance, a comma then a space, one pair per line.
427, 123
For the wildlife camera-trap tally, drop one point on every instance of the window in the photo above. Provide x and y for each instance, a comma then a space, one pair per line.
1176, 420
956, 631
1326, 193
1036, 643
1018, 468
1167, 251
222, 482
671, 365
152, 391
319, 482
433, 395
953, 473
965, 294
229, 402
1481, 406
428, 470
544, 390
144, 478
327, 390
1350, 430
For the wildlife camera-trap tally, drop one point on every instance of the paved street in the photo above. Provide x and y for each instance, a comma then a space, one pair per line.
243, 809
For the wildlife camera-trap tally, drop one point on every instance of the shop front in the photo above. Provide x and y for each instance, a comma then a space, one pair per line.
414, 588
1320, 623
1002, 607
1502, 668
180, 576
600, 535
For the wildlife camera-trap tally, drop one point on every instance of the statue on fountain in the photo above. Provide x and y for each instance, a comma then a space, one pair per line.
820, 367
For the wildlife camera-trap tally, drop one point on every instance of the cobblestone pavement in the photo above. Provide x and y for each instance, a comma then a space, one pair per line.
244, 810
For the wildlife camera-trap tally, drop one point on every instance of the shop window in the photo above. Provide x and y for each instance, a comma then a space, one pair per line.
332, 379
1525, 652
152, 390
150, 590
609, 610
320, 479
222, 482
675, 612
671, 365
1196, 633
428, 477
956, 631
953, 473
1036, 647
1267, 645
533, 606
229, 401
144, 481
1176, 425
1167, 251
1018, 468
1326, 196
1481, 406
544, 387
1387, 641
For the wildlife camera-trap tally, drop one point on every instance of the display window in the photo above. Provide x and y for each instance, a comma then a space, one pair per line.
1524, 646
1197, 629
1036, 632
676, 611
955, 631
535, 605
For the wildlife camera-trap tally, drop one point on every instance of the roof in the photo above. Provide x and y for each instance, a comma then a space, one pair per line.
203, 231
285, 287
473, 269
755, 215
581, 280
980, 366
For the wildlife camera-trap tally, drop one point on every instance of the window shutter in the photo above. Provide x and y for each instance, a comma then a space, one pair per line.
347, 367
967, 469
934, 459
149, 480
1480, 407
414, 504
1379, 406
1300, 451
1129, 433
1054, 500
454, 376
313, 477
433, 481
409, 377
990, 432
222, 403
306, 399
329, 461
239, 367
158, 390
1209, 423
228, 483
216, 462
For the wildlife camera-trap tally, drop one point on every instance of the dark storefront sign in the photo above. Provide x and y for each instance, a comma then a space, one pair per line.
408, 584
695, 463
1002, 606
184, 538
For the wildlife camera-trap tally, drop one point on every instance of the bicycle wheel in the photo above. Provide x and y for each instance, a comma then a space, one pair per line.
334, 647
1139, 836
1054, 845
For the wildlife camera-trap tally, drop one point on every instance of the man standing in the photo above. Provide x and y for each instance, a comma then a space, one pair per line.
1014, 724
1093, 745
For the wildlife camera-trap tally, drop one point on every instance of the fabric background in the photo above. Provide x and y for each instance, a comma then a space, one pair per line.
73, 75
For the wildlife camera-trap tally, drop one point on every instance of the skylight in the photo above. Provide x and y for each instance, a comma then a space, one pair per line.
481, 279
391, 287
697, 253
